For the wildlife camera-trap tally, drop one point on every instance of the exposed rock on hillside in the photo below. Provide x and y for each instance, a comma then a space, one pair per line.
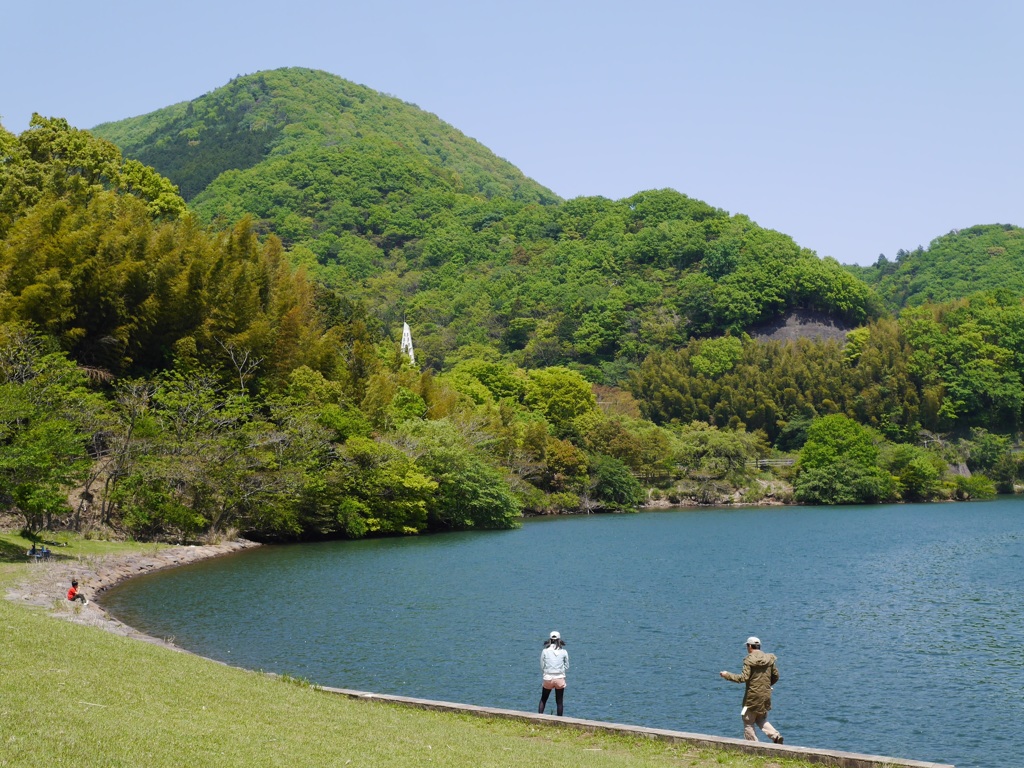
801, 324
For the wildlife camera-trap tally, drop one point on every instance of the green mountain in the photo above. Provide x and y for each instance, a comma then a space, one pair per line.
189, 378
963, 262
391, 208
273, 114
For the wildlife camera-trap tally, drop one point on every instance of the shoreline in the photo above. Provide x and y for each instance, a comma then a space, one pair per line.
45, 584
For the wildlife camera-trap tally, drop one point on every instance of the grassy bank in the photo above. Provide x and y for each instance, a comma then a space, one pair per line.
77, 695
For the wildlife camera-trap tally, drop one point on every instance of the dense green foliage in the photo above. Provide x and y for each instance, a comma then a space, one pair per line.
839, 464
101, 256
939, 367
237, 395
168, 372
47, 415
390, 207
276, 113
981, 258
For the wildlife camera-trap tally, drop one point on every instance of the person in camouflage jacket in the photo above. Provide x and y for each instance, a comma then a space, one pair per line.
760, 674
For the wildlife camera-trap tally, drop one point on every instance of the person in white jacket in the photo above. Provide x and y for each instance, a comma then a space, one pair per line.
554, 663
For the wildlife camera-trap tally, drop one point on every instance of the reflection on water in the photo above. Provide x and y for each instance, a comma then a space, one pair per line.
898, 628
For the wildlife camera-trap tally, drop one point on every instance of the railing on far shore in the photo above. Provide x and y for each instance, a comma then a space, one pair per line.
762, 463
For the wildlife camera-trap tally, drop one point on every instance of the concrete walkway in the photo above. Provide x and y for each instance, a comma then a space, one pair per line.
820, 756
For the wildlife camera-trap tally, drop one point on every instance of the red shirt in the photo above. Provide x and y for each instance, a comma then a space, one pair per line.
72, 592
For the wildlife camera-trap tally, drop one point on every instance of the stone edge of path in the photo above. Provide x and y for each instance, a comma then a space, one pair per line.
763, 749
45, 585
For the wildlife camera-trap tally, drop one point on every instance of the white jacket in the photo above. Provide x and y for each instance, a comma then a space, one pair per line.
554, 662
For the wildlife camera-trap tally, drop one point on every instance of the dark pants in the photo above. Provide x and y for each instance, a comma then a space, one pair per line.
559, 696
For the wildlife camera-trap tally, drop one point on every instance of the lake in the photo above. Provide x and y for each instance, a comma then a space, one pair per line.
898, 628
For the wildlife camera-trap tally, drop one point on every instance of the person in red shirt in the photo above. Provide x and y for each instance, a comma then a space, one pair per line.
74, 594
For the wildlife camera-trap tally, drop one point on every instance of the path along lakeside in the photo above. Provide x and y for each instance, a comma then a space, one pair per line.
45, 585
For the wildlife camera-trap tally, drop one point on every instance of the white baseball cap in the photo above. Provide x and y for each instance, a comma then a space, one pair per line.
555, 636
753, 641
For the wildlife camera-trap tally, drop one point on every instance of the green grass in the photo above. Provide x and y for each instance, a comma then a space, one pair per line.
65, 545
73, 695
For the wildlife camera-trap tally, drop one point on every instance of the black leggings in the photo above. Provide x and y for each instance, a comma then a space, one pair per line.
559, 695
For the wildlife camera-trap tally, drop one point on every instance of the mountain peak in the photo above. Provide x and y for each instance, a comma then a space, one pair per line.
277, 112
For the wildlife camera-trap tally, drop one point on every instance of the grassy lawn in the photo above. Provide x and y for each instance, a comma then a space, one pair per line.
64, 545
75, 695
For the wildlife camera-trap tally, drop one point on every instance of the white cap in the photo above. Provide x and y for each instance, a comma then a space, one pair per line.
753, 641
555, 636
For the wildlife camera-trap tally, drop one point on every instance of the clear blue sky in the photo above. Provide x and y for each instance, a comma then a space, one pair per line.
856, 128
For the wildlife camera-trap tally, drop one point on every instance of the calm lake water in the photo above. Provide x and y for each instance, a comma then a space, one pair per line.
899, 629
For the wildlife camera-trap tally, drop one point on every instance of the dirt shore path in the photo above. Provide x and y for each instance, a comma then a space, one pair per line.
45, 584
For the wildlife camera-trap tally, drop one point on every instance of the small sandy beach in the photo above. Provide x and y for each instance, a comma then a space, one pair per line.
45, 584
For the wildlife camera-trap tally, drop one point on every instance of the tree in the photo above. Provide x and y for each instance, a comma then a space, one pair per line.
500, 379
612, 485
838, 464
372, 488
560, 395
47, 417
917, 472
220, 458
716, 356
470, 493
65, 161
969, 352
37, 467
715, 461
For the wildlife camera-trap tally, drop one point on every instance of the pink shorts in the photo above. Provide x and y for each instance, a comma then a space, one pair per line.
557, 683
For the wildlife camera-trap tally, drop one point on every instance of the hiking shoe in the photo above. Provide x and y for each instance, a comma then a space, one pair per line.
777, 739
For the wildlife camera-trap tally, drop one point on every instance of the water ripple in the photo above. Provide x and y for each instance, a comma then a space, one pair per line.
898, 628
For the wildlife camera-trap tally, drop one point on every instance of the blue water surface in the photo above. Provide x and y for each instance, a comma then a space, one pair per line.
898, 628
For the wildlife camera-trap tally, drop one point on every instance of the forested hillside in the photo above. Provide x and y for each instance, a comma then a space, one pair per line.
177, 380
171, 370
277, 113
954, 266
390, 207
